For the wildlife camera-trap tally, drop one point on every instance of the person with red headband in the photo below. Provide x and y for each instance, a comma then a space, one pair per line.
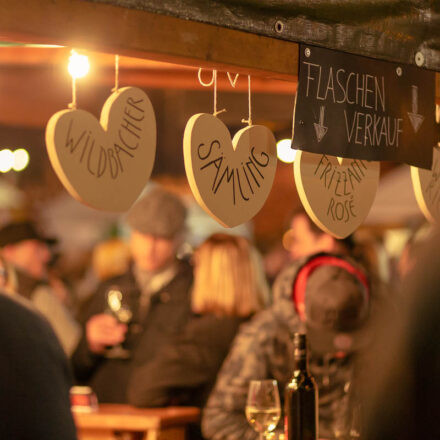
329, 298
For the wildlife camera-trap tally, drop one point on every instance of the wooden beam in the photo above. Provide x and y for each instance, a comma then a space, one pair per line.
105, 28
23, 60
25, 100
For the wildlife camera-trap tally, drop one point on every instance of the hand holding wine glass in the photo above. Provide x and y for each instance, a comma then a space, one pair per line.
263, 406
103, 331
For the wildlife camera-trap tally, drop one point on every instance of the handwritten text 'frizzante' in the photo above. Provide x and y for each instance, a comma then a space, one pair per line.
341, 182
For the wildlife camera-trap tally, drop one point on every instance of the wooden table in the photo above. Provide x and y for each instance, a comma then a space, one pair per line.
124, 422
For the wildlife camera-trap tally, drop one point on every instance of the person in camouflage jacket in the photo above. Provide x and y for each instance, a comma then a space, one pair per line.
263, 349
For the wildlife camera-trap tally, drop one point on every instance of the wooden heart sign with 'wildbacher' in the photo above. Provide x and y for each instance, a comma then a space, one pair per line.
336, 194
426, 184
229, 179
105, 164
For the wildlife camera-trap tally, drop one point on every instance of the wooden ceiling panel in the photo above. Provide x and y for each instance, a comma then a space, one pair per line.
34, 83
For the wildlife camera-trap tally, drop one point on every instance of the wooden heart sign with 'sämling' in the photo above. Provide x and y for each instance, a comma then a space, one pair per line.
426, 184
336, 194
229, 179
105, 164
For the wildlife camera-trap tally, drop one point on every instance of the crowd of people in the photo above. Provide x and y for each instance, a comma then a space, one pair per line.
159, 329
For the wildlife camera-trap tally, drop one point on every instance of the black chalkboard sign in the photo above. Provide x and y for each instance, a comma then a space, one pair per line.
356, 107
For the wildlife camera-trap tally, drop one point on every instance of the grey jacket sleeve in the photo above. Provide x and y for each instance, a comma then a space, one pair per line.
224, 415
65, 327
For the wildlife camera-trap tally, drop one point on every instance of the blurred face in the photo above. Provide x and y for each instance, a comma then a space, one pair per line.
151, 253
301, 241
31, 256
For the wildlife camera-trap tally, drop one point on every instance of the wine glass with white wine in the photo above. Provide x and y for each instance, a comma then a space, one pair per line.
118, 306
263, 406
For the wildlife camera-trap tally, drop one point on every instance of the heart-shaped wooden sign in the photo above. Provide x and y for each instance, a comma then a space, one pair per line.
105, 164
336, 195
230, 179
426, 184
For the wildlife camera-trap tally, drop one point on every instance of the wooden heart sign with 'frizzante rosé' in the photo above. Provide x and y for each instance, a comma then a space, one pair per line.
336, 193
105, 164
229, 179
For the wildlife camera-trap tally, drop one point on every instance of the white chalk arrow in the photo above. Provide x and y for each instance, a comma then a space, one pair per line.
415, 118
319, 128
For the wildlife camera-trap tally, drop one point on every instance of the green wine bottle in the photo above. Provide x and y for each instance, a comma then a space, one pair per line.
301, 397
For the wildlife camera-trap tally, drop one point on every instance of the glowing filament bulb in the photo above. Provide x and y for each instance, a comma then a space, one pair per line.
78, 65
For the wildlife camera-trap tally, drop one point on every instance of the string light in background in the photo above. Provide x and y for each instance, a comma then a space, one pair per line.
21, 159
79, 65
16, 160
285, 152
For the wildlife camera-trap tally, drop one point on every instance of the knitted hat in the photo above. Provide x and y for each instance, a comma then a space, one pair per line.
335, 297
21, 231
159, 213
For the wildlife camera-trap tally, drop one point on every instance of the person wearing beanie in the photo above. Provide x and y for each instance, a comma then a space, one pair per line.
131, 316
330, 299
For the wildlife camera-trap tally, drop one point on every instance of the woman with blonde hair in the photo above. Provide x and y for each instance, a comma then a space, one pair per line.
228, 289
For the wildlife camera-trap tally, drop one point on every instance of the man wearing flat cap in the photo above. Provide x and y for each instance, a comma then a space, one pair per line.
331, 300
26, 254
154, 296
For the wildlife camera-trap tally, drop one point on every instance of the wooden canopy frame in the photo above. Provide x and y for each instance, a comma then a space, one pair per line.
139, 33
114, 29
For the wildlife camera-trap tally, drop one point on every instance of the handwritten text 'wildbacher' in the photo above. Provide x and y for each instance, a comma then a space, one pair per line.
100, 160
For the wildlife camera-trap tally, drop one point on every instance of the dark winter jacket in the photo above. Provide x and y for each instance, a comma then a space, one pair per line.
184, 371
168, 312
262, 350
34, 376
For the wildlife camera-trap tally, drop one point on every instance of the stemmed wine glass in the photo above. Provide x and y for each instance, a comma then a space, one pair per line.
263, 406
118, 306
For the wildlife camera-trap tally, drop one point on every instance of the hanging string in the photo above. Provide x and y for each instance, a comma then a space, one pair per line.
115, 88
216, 112
293, 116
297, 147
72, 105
213, 81
249, 120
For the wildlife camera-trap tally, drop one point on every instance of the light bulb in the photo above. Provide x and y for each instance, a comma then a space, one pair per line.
21, 159
285, 152
78, 65
6, 160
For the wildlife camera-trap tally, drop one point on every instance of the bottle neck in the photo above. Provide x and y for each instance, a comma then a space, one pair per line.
300, 353
300, 364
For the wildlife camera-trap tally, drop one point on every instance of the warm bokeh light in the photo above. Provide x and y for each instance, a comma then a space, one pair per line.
21, 159
78, 65
285, 152
6, 160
